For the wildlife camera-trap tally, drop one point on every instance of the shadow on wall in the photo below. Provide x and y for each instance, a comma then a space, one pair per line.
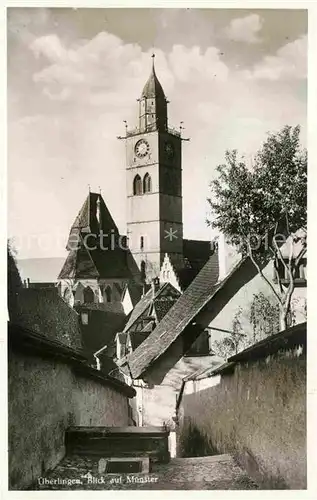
193, 442
258, 414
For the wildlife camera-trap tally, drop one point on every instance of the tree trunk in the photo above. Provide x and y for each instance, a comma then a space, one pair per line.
283, 318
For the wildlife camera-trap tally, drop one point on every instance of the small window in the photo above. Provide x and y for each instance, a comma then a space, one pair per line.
84, 318
89, 296
108, 294
137, 185
147, 183
142, 242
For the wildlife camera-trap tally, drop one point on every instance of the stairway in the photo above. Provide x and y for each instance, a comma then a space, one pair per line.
119, 442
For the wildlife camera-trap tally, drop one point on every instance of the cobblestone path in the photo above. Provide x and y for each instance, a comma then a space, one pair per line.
219, 472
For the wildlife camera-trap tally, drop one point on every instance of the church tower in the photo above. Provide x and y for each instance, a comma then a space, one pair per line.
154, 184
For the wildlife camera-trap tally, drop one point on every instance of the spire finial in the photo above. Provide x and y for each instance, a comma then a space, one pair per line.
153, 57
88, 188
99, 190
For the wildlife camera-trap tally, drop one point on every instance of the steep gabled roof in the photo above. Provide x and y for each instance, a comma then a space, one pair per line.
79, 264
162, 307
100, 255
87, 221
147, 300
194, 298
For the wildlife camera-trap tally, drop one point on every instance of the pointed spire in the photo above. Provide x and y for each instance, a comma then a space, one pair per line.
153, 88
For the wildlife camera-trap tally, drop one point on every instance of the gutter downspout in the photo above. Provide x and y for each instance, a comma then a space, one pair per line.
96, 354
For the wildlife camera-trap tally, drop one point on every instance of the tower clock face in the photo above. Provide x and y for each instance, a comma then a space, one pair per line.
142, 148
169, 150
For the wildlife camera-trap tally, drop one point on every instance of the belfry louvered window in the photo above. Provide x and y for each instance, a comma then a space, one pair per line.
137, 185
147, 184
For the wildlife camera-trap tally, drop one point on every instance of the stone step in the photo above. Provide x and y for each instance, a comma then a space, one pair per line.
118, 442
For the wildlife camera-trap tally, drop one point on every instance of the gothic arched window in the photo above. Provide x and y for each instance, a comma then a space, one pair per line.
108, 293
137, 185
89, 296
147, 184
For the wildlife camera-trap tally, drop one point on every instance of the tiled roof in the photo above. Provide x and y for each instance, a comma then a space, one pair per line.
112, 307
79, 264
162, 307
139, 309
87, 221
194, 298
146, 301
109, 261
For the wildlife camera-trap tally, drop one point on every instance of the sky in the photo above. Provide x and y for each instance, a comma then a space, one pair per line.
74, 75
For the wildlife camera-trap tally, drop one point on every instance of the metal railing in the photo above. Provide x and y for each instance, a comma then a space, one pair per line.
152, 128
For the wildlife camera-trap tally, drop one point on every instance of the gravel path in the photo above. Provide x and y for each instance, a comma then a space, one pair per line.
218, 472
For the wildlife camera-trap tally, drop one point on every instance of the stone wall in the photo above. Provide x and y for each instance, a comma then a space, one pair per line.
45, 396
258, 413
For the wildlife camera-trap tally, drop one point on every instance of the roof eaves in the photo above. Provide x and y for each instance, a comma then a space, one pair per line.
224, 368
273, 343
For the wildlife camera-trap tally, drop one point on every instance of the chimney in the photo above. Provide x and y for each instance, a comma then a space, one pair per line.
155, 286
